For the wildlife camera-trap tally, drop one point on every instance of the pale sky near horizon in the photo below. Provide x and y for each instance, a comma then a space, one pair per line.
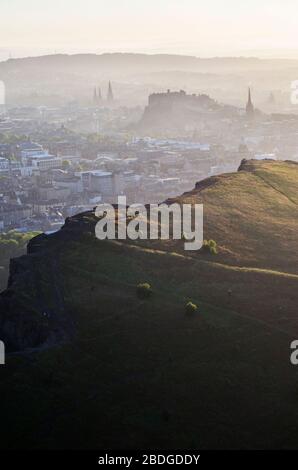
197, 27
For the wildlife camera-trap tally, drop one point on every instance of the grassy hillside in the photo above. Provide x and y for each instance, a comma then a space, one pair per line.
141, 373
252, 214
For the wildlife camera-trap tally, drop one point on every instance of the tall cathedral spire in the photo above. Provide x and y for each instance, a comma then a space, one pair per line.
95, 96
110, 96
250, 110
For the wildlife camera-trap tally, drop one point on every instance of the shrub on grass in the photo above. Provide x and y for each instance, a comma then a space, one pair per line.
191, 308
213, 250
144, 290
210, 246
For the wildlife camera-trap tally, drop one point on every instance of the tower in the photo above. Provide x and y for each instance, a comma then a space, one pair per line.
95, 96
99, 97
250, 110
110, 96
271, 99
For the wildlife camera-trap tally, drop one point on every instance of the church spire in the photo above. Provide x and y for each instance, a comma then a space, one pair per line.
95, 96
99, 97
250, 110
271, 99
110, 96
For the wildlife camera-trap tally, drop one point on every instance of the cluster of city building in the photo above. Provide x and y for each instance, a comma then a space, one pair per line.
49, 170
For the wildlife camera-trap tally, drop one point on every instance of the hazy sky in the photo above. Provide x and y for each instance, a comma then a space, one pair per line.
199, 27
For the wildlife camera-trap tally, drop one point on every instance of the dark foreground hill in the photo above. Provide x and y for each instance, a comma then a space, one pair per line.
101, 367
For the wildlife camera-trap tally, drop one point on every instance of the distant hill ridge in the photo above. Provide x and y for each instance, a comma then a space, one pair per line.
138, 61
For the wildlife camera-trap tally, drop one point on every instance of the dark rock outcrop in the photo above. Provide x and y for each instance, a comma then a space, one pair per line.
32, 308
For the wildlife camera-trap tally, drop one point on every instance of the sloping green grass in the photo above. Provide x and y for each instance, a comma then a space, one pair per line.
142, 373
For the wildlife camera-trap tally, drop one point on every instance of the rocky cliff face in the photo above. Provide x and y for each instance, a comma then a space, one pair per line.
32, 308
